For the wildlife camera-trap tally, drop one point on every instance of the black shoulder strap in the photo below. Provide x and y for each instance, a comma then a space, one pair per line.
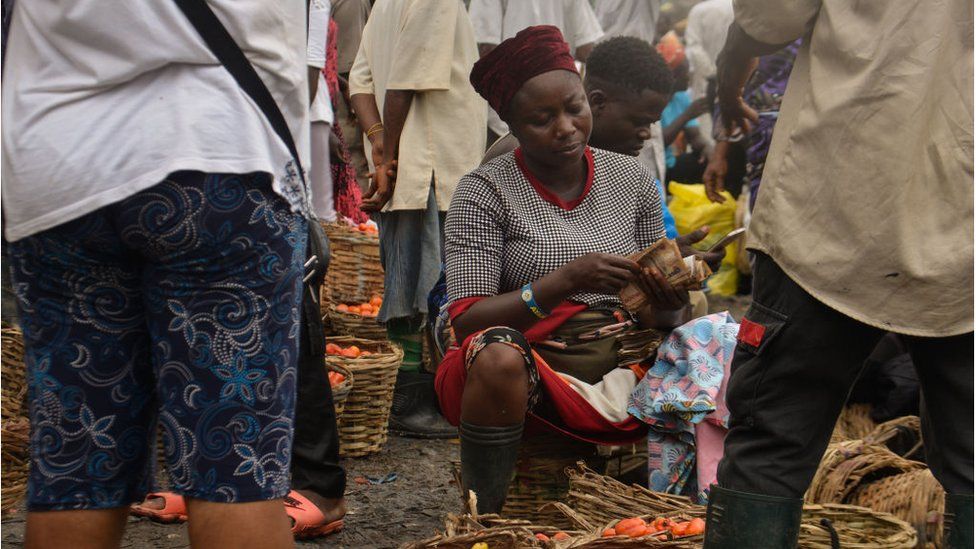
223, 46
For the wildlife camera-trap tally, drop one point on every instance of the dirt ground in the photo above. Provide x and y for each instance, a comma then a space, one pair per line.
410, 508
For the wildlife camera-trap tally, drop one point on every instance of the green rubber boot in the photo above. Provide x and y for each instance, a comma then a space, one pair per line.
957, 526
737, 520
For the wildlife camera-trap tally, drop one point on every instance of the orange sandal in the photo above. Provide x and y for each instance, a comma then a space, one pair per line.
173, 511
309, 522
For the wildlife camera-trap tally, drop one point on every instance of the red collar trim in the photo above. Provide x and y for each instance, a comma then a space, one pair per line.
550, 196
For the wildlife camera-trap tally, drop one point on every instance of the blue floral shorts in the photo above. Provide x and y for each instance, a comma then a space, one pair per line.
177, 306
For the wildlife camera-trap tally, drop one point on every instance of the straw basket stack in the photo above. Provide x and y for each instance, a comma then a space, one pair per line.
875, 472
14, 424
363, 423
355, 273
348, 324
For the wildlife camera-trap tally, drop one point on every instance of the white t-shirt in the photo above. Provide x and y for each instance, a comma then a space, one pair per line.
102, 100
708, 25
497, 20
637, 18
318, 38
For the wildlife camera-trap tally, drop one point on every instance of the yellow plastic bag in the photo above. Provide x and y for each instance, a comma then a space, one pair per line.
692, 210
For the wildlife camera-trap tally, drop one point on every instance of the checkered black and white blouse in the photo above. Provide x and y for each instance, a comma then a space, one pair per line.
504, 229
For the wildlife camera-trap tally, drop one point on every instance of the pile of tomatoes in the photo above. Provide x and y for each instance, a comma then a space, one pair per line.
336, 379
661, 527
349, 352
370, 308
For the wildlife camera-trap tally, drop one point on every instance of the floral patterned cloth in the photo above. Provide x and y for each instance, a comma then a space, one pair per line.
684, 388
179, 306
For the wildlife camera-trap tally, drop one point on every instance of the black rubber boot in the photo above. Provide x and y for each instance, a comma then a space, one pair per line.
737, 520
414, 412
957, 526
488, 456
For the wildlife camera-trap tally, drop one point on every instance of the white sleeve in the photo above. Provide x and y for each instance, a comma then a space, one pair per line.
318, 32
582, 25
698, 59
486, 18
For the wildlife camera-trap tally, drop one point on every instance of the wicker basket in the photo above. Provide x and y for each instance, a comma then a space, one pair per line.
845, 465
854, 423
540, 476
364, 327
363, 425
341, 391
598, 501
355, 274
856, 528
915, 497
14, 455
13, 387
902, 436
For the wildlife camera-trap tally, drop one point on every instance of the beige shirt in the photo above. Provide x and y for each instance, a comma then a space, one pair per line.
427, 46
867, 196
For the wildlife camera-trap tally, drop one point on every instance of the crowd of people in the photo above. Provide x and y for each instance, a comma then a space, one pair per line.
169, 166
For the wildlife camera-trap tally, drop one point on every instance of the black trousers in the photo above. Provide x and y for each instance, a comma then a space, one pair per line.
786, 391
315, 449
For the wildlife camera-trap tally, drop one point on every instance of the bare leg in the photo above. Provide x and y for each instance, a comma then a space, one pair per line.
254, 525
496, 393
101, 529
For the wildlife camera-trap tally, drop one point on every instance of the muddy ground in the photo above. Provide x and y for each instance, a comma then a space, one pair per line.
387, 515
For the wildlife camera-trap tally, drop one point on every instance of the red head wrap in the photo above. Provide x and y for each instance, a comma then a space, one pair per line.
533, 51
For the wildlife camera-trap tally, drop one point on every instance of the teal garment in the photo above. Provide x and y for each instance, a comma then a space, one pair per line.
679, 103
670, 229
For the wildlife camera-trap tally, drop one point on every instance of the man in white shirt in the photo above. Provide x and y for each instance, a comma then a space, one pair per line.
157, 239
497, 20
637, 18
708, 23
413, 66
322, 116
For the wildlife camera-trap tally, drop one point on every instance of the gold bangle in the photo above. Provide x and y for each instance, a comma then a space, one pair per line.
374, 129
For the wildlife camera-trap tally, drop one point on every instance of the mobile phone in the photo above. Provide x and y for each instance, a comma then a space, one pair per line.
727, 239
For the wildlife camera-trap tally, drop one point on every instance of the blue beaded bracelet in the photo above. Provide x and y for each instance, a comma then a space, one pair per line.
529, 299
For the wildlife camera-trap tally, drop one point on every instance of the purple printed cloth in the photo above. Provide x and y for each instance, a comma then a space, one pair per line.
684, 389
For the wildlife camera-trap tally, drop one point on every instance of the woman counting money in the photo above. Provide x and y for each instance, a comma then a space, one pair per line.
536, 245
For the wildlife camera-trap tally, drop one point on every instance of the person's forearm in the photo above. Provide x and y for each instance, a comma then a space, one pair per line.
313, 82
509, 310
672, 130
734, 65
367, 113
396, 106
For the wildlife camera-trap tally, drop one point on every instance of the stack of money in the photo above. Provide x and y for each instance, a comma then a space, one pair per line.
636, 346
686, 273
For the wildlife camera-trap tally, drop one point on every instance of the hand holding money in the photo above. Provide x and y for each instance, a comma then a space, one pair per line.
680, 273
